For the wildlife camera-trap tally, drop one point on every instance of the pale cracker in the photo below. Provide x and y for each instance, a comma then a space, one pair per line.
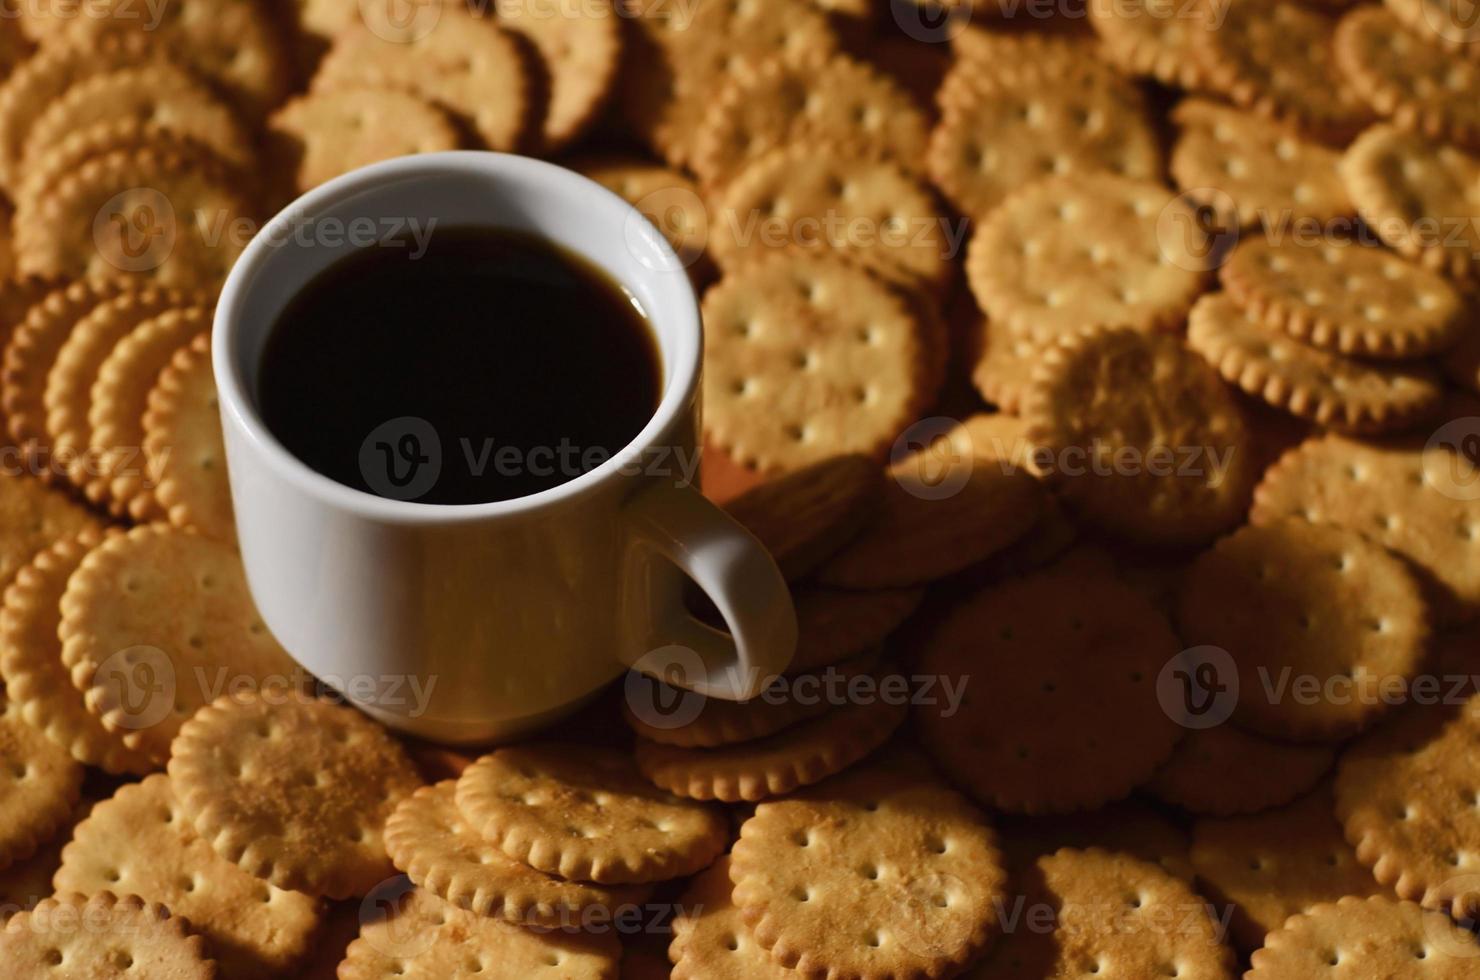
1050, 706
833, 101
1416, 195
881, 872
1068, 253
799, 756
1272, 865
429, 840
139, 842
1223, 770
1325, 388
1154, 37
1338, 295
1371, 937
834, 625
39, 784
804, 198
1404, 494
163, 602
586, 813
30, 661
808, 357
711, 940
1250, 170
119, 397
580, 47
1111, 396
294, 790
103, 937
421, 937
184, 445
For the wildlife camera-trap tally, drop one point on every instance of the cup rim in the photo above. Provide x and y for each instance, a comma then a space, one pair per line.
681, 366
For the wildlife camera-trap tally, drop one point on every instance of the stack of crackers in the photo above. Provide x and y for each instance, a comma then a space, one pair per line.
1103, 380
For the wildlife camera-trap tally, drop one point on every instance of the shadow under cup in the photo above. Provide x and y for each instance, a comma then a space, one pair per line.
457, 622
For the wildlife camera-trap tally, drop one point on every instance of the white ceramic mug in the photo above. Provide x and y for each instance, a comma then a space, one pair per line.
465, 623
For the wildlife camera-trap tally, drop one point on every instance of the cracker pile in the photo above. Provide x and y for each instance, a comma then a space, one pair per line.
1102, 379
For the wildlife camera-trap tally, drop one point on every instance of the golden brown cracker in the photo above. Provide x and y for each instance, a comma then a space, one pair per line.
1368, 937
1223, 771
184, 445
39, 784
1130, 827
580, 48
711, 940
103, 936
834, 625
670, 200
1154, 37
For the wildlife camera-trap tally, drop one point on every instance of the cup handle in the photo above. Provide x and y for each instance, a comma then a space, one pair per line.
695, 540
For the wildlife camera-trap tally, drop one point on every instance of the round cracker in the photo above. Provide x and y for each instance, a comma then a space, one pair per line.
1401, 493
1071, 660
30, 660
1005, 360
580, 47
27, 882
139, 842
103, 936
1250, 170
429, 840
1374, 936
1129, 827
293, 790
119, 397
799, 756
1342, 296
1325, 388
151, 621
466, 65
808, 357
39, 784
1068, 253
33, 518
837, 102
1011, 130
421, 937
1270, 866
321, 135
1222, 771
184, 445
1154, 37
1450, 23
1142, 437
805, 198
1414, 193
834, 625
883, 871
585, 813
149, 212
711, 940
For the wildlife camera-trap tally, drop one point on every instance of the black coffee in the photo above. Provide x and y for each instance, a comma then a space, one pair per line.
493, 365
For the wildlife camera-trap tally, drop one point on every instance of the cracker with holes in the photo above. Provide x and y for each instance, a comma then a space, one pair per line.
103, 937
1140, 436
1410, 190
151, 620
586, 814
28, 881
1153, 37
1374, 937
429, 839
1010, 129
1336, 294
979, 49
1249, 170
455, 64
808, 358
1129, 827
666, 197
834, 625
580, 49
1276, 58
1333, 612
1449, 22
1408, 78
36, 680
1101, 912
799, 756
319, 136
711, 940
421, 937
294, 790
836, 102
806, 199
1050, 706
139, 842
1321, 386
184, 446
1224, 770
153, 213
1405, 796
1404, 494
33, 518
39, 783
1068, 253
1004, 360
883, 871
1269, 866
